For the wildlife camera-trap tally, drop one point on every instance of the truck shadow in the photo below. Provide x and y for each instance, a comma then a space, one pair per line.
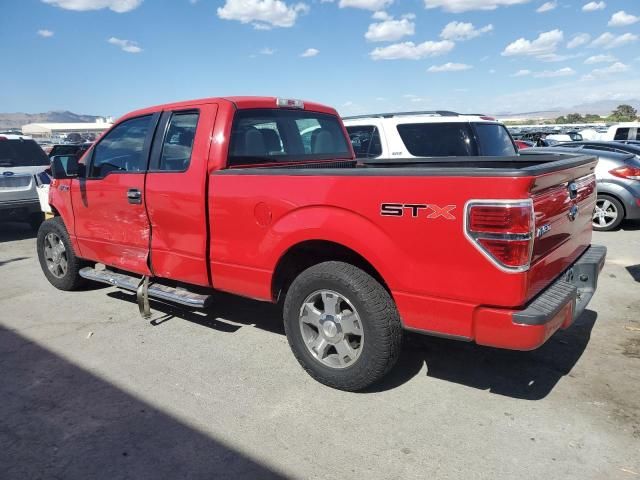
520, 375
12, 231
630, 225
61, 421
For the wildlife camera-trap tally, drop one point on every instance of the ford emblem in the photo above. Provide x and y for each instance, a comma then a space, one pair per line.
7, 174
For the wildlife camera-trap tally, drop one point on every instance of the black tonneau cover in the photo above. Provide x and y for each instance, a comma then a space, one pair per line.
515, 166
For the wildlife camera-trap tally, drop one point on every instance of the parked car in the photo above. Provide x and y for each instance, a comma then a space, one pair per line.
522, 144
427, 134
354, 251
20, 159
618, 177
76, 149
622, 131
618, 147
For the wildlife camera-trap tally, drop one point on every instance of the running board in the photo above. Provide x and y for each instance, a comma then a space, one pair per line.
155, 290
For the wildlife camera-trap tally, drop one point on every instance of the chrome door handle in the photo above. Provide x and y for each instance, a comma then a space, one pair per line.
134, 196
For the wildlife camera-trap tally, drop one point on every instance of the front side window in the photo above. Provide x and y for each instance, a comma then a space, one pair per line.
262, 136
122, 149
494, 140
178, 142
438, 139
365, 140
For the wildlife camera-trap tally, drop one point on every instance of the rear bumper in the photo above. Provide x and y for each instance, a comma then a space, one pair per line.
555, 307
18, 208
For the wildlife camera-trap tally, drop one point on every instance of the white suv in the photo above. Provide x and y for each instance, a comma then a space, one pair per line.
389, 136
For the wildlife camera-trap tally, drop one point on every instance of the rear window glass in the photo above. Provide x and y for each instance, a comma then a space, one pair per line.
262, 136
21, 153
622, 134
438, 139
365, 140
494, 140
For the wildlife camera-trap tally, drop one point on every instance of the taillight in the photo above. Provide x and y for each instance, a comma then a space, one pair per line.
503, 231
626, 171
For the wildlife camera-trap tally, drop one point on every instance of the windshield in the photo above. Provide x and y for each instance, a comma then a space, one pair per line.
21, 153
263, 136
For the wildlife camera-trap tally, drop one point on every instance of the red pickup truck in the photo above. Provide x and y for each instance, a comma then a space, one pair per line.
263, 197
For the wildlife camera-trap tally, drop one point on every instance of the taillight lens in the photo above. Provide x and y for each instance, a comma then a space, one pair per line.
626, 171
503, 231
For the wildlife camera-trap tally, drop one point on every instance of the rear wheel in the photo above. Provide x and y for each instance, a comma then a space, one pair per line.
608, 214
57, 258
342, 326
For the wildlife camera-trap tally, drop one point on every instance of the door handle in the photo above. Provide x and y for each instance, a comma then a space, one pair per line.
134, 196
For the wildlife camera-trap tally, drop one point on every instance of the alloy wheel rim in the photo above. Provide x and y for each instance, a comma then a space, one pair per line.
331, 329
604, 214
55, 255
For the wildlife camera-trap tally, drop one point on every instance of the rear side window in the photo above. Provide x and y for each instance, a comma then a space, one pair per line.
494, 140
365, 140
21, 153
622, 134
178, 142
438, 139
121, 150
262, 136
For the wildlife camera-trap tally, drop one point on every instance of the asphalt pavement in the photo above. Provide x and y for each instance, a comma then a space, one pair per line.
90, 390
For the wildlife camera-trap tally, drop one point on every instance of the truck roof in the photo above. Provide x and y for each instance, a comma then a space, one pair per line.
241, 102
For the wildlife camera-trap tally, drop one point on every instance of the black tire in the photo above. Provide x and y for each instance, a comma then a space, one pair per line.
614, 204
35, 220
382, 339
70, 280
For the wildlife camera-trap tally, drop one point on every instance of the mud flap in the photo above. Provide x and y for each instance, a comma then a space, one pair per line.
142, 295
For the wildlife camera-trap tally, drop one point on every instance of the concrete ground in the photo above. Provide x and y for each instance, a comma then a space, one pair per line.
90, 390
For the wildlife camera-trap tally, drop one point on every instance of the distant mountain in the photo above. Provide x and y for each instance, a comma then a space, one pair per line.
603, 107
17, 120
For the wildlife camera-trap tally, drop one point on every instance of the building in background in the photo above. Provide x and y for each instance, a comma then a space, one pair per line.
62, 131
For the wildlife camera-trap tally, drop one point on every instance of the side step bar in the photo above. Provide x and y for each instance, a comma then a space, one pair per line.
155, 290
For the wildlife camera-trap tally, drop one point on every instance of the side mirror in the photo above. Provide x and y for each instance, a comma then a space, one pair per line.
64, 166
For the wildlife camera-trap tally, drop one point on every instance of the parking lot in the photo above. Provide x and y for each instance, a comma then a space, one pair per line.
89, 388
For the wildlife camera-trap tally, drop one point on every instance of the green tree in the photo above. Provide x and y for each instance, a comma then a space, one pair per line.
574, 118
561, 120
592, 118
624, 113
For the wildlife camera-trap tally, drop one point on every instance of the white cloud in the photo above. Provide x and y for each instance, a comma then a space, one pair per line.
593, 6
45, 33
411, 51
463, 31
562, 72
608, 40
262, 14
390, 30
521, 73
372, 5
617, 67
622, 19
126, 45
547, 42
547, 7
600, 59
449, 67
381, 15
119, 6
458, 6
579, 40
267, 51
310, 52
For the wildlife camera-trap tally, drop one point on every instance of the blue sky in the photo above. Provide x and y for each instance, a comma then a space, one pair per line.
107, 57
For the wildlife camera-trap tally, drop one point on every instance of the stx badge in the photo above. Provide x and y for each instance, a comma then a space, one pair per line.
430, 211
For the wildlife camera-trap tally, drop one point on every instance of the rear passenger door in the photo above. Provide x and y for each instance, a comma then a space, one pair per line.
176, 193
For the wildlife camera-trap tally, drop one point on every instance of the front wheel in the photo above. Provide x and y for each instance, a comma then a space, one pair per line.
342, 325
58, 261
608, 214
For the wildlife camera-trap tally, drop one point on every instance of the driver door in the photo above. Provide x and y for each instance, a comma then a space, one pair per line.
111, 222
